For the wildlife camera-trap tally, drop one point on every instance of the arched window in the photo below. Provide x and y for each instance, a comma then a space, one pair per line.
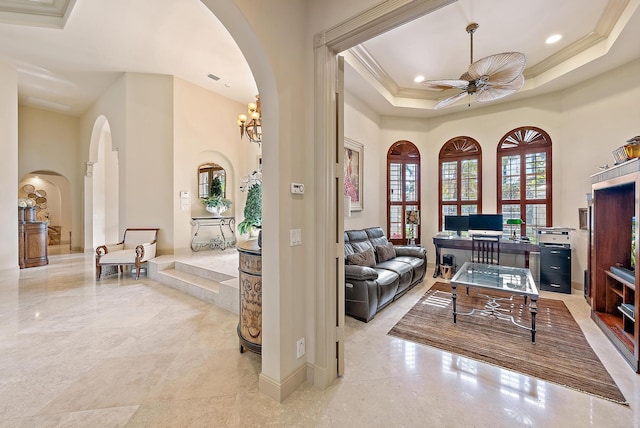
403, 193
460, 178
524, 179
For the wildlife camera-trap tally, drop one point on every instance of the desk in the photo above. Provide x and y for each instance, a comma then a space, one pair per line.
513, 280
217, 241
507, 246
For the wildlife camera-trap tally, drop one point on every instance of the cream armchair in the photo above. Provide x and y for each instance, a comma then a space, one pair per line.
137, 247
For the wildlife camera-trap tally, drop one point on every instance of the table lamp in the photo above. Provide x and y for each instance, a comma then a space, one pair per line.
514, 222
413, 218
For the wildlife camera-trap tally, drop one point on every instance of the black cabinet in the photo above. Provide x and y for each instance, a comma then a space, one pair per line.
555, 268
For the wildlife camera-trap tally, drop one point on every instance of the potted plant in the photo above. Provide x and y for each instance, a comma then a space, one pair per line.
253, 207
216, 203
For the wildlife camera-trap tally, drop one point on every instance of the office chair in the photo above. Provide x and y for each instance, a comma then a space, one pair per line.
485, 249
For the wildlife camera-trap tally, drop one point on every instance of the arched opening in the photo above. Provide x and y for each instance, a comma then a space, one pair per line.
101, 188
272, 318
51, 194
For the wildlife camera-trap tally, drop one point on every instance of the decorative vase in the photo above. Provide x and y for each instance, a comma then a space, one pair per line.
216, 211
254, 232
30, 214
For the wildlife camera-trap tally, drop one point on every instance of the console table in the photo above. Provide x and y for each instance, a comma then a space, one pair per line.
217, 241
457, 243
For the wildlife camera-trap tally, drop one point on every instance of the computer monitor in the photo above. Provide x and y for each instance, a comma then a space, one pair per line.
486, 222
457, 223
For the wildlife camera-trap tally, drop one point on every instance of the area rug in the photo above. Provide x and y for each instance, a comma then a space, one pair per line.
560, 355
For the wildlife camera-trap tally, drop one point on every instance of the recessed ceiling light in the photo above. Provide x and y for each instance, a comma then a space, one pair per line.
419, 79
553, 39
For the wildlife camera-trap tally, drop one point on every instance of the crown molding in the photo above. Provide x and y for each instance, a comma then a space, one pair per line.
36, 13
606, 30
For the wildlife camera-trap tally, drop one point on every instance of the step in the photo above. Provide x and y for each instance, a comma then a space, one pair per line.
201, 271
197, 282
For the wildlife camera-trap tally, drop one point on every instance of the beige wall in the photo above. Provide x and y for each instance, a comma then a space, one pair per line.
276, 46
9, 168
109, 108
362, 125
205, 130
49, 141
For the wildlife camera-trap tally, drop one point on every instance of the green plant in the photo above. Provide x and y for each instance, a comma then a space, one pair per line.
252, 209
215, 199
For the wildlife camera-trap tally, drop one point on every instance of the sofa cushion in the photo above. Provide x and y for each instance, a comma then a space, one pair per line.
404, 270
365, 258
385, 252
376, 236
360, 272
388, 282
413, 261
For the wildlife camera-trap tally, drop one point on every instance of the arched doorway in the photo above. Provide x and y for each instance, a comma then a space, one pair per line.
51, 193
101, 188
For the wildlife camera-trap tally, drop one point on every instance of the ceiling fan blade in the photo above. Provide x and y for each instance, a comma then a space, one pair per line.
448, 101
500, 69
494, 92
446, 84
515, 84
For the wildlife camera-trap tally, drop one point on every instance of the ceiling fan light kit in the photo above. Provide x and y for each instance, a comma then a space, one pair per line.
489, 78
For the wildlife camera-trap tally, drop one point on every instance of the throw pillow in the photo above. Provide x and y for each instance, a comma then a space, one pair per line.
385, 252
365, 258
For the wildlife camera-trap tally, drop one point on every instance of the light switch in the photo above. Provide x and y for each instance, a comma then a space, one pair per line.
297, 188
295, 237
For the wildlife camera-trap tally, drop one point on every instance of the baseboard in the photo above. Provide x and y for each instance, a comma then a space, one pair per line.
280, 391
323, 377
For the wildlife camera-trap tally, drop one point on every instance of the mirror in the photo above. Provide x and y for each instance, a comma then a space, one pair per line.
206, 174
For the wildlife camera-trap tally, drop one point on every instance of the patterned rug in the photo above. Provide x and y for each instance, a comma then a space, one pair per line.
560, 355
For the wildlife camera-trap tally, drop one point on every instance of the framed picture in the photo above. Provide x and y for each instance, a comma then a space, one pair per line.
353, 173
582, 218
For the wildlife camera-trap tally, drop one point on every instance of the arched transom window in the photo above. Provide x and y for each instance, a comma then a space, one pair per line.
524, 179
460, 178
403, 193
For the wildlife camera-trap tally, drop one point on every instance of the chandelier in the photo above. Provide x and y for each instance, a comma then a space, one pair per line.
251, 125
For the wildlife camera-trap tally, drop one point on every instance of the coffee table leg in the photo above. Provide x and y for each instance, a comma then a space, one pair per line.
454, 296
533, 308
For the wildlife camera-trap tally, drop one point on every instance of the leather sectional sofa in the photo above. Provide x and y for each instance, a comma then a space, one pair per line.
377, 272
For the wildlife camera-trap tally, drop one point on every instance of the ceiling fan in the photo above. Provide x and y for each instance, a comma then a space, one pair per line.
489, 78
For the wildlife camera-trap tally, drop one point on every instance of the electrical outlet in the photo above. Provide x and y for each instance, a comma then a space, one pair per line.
300, 348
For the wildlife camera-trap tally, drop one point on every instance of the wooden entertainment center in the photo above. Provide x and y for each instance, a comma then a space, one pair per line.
612, 285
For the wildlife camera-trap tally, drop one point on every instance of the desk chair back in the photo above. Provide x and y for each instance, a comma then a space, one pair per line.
485, 249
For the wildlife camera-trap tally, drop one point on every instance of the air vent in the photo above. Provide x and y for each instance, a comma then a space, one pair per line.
213, 76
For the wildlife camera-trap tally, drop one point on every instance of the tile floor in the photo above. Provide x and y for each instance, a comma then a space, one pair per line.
79, 353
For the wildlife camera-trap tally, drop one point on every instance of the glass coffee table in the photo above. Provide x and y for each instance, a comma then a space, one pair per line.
515, 281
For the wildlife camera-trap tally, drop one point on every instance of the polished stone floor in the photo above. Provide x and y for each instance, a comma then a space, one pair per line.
79, 353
